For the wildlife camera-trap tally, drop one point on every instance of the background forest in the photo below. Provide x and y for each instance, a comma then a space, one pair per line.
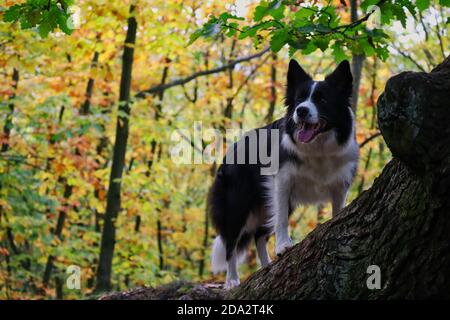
59, 101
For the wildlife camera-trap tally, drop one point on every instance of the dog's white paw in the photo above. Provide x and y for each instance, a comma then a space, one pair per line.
231, 283
282, 246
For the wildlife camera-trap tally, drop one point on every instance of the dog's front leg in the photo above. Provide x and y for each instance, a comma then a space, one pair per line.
339, 196
281, 204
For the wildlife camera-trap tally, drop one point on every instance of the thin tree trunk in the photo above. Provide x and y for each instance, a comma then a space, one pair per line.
9, 117
59, 288
58, 233
85, 109
201, 265
357, 60
160, 247
228, 112
273, 89
372, 125
118, 162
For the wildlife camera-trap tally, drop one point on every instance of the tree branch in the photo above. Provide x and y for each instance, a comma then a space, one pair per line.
193, 76
369, 139
407, 56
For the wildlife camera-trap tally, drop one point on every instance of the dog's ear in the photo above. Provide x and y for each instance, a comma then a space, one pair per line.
341, 78
296, 74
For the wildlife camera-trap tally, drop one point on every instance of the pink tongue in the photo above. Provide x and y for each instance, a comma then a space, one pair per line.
306, 134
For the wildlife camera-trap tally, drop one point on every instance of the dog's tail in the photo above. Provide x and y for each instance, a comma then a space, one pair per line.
219, 255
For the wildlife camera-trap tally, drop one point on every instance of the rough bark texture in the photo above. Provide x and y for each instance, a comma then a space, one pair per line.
401, 224
172, 291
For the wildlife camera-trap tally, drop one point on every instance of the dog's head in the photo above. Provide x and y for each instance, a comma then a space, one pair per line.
317, 107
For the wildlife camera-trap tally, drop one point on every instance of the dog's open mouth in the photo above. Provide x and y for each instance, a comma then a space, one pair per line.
308, 131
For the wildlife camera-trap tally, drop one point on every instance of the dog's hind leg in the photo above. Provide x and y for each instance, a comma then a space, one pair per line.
232, 279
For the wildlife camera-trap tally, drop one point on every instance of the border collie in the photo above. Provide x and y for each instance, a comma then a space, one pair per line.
318, 157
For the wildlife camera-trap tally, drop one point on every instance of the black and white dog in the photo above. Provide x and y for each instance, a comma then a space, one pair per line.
318, 157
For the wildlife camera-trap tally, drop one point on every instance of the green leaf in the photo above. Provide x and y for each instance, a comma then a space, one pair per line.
34, 17
309, 48
300, 43
273, 8
367, 3
12, 14
386, 14
399, 13
306, 29
338, 52
328, 17
260, 11
209, 29
44, 29
303, 13
322, 43
378, 33
278, 13
251, 31
194, 36
66, 4
62, 20
368, 49
232, 29
25, 23
226, 16
382, 53
322, 28
292, 51
278, 40
444, 3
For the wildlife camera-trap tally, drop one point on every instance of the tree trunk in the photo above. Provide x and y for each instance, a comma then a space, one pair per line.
9, 117
85, 109
401, 224
118, 162
357, 60
273, 89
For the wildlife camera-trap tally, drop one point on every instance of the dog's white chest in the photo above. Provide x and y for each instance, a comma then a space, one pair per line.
322, 171
318, 173
312, 180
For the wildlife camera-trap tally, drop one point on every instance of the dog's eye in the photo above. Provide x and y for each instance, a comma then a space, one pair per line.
320, 97
301, 96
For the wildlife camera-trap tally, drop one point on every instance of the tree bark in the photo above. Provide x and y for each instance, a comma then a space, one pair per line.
401, 224
273, 89
118, 162
85, 108
58, 233
9, 117
357, 60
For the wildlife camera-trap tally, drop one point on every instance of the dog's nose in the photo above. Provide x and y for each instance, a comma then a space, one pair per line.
302, 112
